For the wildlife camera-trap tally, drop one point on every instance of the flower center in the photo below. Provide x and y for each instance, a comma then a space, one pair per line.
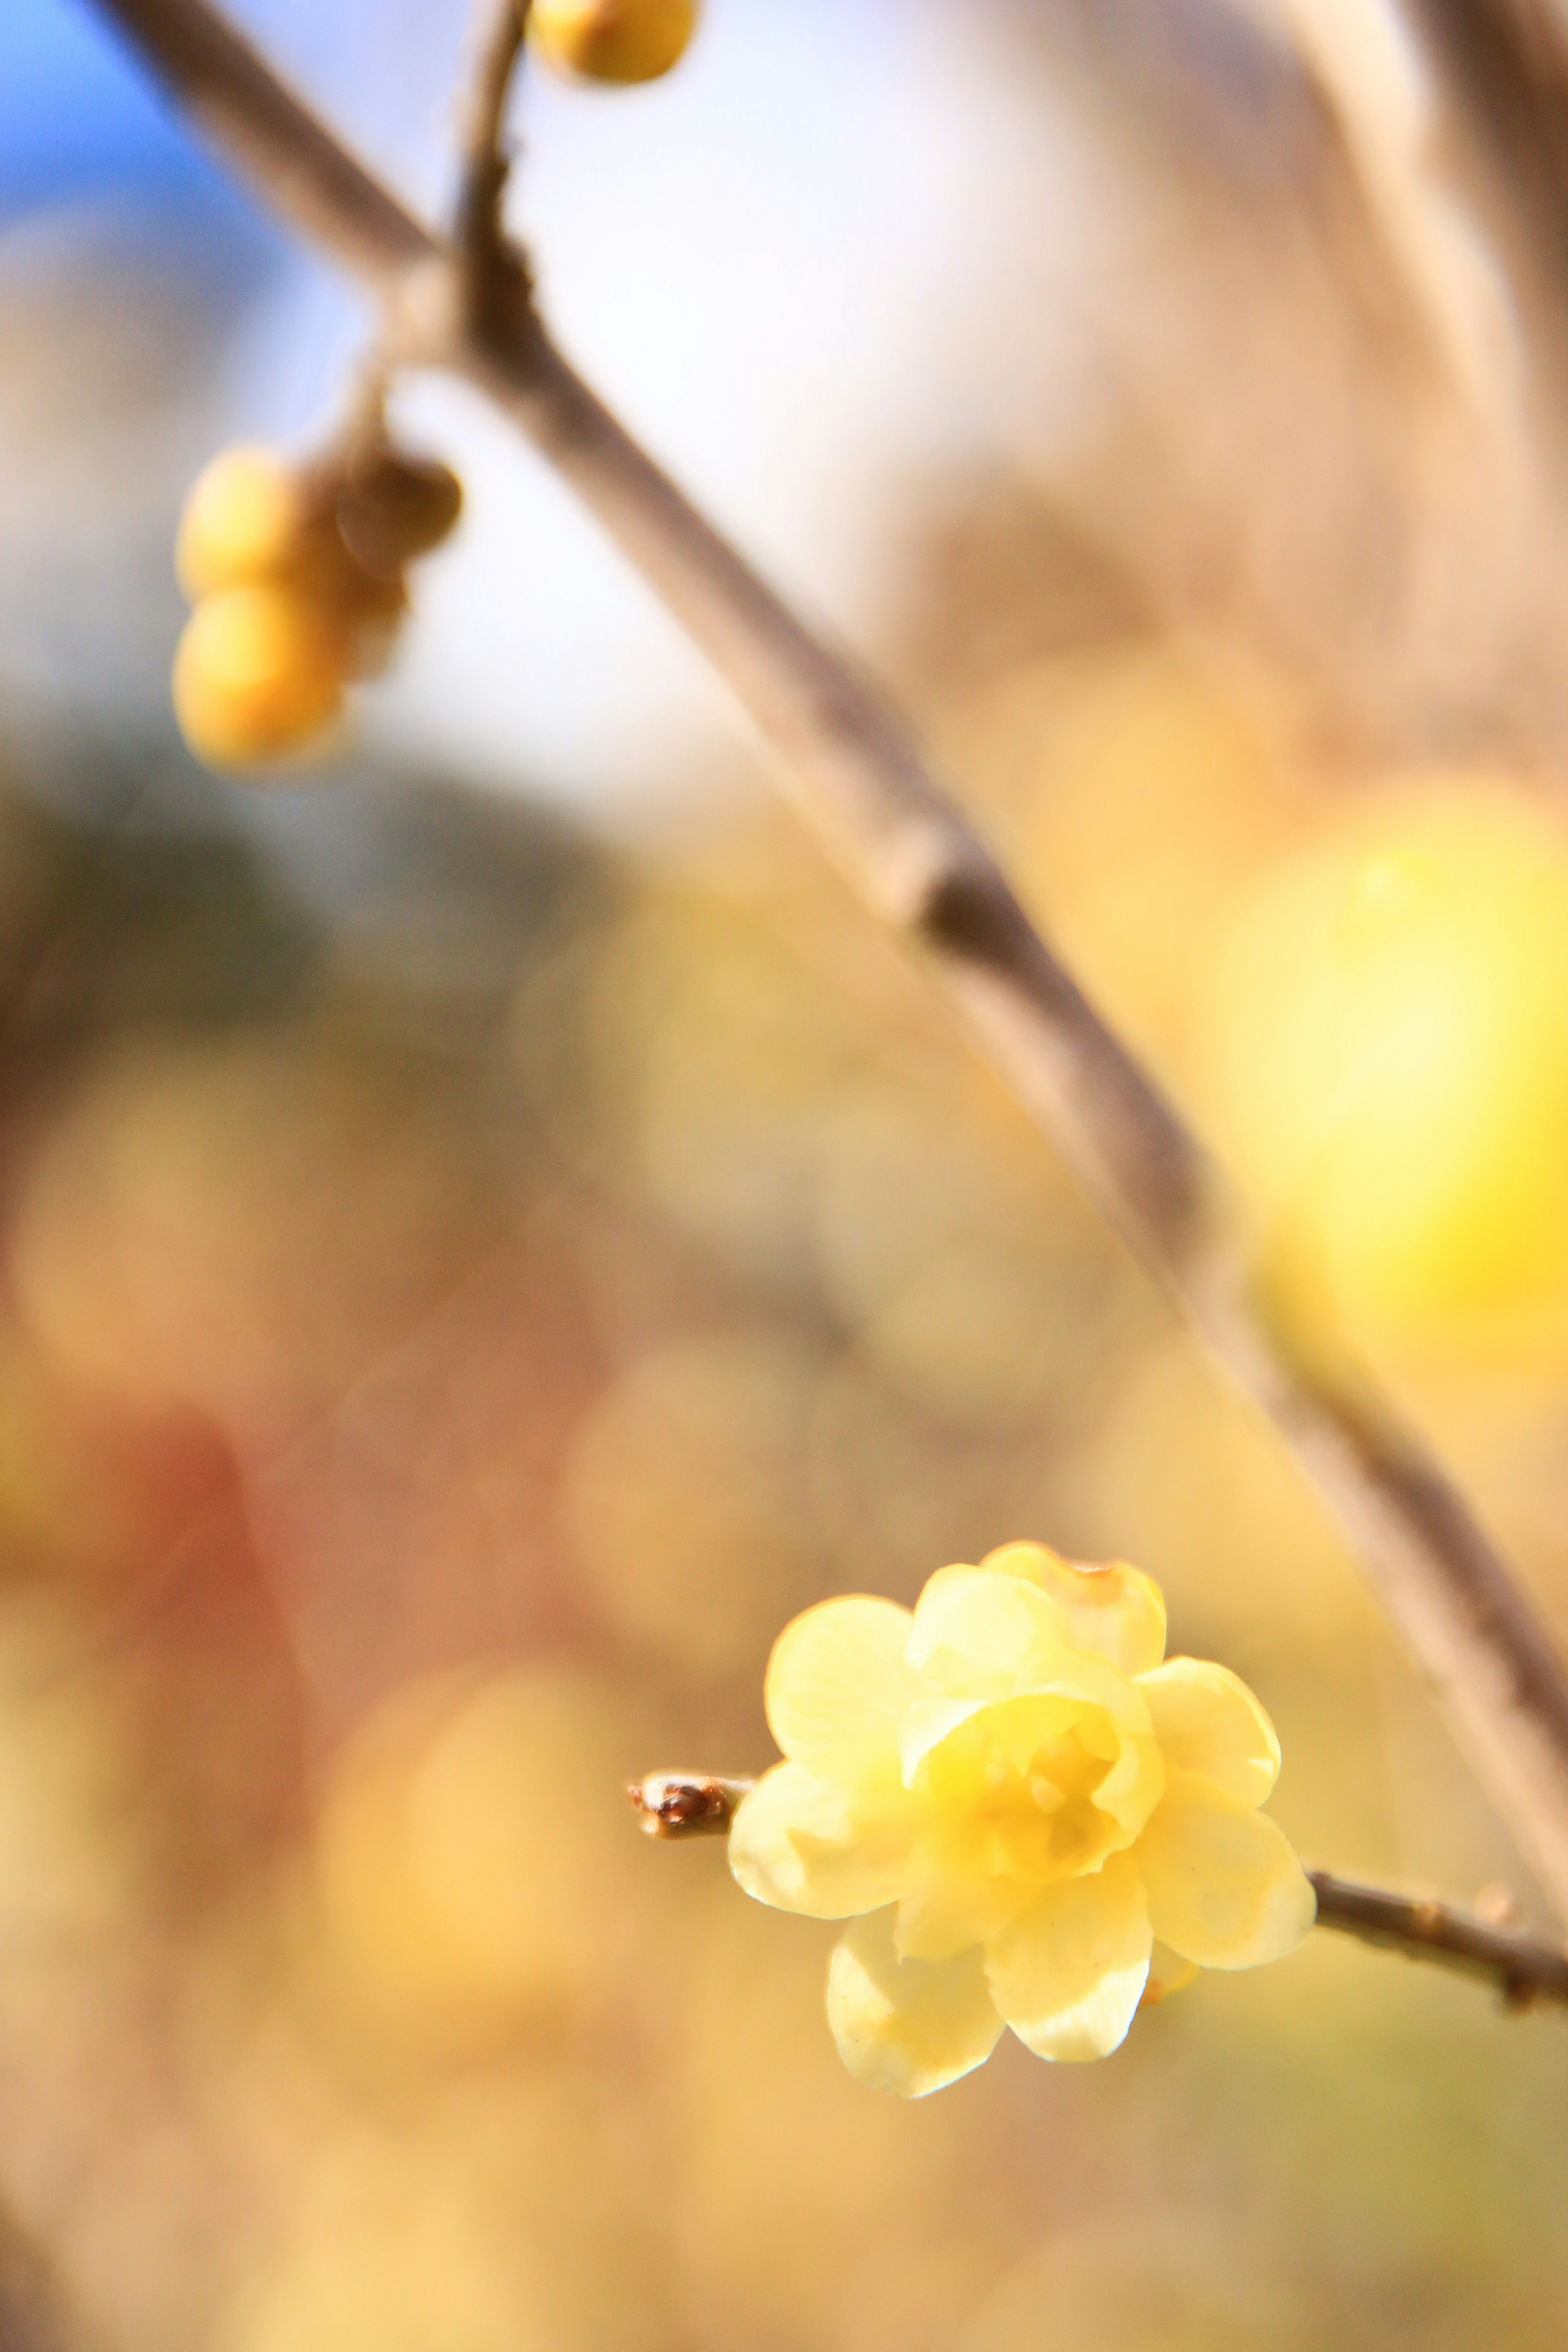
1040, 1791
1040, 1823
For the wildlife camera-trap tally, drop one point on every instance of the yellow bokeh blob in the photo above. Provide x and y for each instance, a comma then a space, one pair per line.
481, 2222
685, 1503
466, 1855
1143, 783
67, 1799
1384, 1061
613, 40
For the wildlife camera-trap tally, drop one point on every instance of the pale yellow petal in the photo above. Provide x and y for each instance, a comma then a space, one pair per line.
926, 1725
1134, 1784
1115, 1610
951, 1898
837, 1688
1208, 1722
906, 2026
1086, 1692
1168, 1973
799, 1843
1068, 1974
983, 1636
1224, 1886
1094, 1681
1034, 1562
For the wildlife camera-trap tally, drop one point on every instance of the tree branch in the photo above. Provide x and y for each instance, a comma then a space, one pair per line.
1506, 65
290, 158
500, 27
1525, 1968
856, 777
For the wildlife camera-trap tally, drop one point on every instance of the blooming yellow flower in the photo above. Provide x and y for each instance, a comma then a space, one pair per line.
1030, 1816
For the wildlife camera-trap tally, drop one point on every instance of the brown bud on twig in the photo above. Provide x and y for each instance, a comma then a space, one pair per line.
686, 1805
392, 508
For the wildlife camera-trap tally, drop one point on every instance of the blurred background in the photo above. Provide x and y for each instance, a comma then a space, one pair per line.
487, 1231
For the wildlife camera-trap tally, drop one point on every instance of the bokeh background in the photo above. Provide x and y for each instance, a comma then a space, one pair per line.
487, 1231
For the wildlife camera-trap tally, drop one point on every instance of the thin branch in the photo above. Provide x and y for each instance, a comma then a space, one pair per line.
499, 31
1525, 1968
1506, 63
856, 778
294, 162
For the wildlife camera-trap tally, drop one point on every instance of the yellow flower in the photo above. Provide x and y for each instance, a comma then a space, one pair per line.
1029, 1819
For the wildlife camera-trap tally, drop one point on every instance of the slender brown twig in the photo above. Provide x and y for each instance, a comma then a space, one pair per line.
500, 28
1507, 68
1526, 1968
856, 776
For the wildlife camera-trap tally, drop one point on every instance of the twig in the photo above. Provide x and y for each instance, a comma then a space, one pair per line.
303, 171
1506, 65
1391, 136
1525, 1968
500, 27
856, 778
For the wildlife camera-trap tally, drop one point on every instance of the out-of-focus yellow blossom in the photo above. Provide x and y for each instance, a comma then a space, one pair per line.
1384, 1063
1030, 1815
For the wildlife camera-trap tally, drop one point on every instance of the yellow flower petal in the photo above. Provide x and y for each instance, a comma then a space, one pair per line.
1224, 1886
1168, 1973
1116, 1610
1068, 1975
981, 1636
1207, 1722
1085, 1690
908, 2026
1094, 1682
799, 1843
951, 1898
837, 1688
1134, 1784
927, 1723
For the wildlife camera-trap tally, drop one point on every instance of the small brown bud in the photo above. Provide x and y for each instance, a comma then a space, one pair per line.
393, 509
686, 1805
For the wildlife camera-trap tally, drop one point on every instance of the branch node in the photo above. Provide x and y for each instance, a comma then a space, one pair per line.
686, 1805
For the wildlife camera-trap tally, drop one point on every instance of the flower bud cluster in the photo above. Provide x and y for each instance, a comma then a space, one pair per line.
297, 576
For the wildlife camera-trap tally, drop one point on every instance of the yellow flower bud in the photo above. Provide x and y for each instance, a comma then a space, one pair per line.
613, 40
243, 521
259, 672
